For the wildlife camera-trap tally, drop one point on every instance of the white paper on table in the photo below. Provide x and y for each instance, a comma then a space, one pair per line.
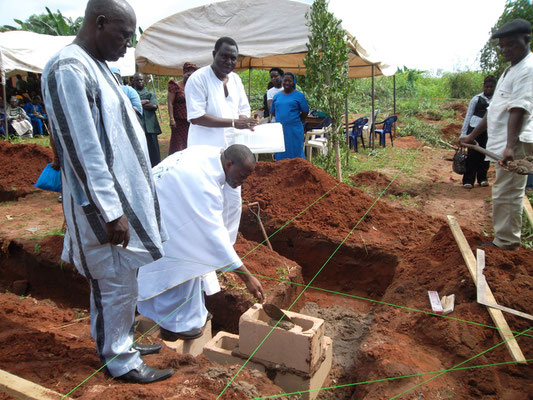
266, 138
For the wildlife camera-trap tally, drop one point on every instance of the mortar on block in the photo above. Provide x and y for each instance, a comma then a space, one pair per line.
298, 348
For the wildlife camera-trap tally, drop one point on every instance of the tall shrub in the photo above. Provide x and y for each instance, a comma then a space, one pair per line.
326, 80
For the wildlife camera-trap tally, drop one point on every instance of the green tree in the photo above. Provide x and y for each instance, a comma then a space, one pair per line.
54, 24
490, 59
326, 81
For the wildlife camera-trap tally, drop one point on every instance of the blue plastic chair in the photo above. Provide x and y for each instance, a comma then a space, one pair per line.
387, 128
357, 131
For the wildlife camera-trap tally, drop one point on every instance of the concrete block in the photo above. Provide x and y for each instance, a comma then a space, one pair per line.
290, 382
193, 346
220, 348
299, 348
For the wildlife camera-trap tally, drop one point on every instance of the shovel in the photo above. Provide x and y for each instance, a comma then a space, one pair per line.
521, 167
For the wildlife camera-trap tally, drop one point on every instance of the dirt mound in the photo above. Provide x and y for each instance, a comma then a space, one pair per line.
436, 264
460, 108
21, 166
285, 189
396, 255
53, 347
451, 131
406, 142
378, 181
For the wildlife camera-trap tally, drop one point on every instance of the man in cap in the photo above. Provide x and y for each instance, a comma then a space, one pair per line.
109, 200
509, 124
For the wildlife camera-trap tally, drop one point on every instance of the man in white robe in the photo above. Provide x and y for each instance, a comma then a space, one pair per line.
190, 186
216, 106
109, 198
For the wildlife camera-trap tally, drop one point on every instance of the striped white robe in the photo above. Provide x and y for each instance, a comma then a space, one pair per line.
104, 169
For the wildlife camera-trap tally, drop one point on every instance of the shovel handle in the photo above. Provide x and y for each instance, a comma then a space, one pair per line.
482, 151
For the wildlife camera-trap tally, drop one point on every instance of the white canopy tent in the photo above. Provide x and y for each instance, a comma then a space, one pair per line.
270, 33
22, 52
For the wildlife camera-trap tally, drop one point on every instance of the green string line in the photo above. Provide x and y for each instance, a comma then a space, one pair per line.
318, 272
385, 303
386, 379
189, 299
461, 363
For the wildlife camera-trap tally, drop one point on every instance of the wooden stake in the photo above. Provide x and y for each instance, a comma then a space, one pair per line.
496, 315
24, 389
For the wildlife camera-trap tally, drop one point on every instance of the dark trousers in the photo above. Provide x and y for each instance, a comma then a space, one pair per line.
153, 148
476, 166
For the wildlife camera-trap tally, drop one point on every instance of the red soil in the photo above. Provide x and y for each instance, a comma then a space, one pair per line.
451, 131
52, 346
394, 255
407, 142
21, 166
402, 342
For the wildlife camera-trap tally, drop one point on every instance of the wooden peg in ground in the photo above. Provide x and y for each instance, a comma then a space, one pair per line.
257, 215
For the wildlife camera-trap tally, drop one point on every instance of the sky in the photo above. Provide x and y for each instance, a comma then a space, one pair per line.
429, 35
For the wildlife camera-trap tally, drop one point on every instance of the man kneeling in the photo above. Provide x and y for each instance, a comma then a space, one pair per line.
190, 187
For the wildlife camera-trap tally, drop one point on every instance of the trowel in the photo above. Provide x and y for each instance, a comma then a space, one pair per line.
275, 313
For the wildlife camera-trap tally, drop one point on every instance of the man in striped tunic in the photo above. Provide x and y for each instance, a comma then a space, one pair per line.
109, 199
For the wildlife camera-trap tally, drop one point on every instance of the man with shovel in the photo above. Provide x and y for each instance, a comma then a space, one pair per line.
509, 124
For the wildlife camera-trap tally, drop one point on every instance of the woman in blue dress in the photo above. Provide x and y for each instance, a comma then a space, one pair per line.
290, 109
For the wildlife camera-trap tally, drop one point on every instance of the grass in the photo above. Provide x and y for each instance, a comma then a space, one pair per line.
389, 159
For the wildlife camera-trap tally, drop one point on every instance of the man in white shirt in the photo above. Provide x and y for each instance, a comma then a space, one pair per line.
216, 106
509, 124
190, 187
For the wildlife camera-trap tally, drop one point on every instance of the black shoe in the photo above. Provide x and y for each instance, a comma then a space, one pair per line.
146, 349
187, 335
145, 374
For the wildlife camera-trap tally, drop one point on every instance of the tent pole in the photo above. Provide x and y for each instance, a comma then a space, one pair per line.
249, 83
5, 104
372, 116
346, 121
394, 100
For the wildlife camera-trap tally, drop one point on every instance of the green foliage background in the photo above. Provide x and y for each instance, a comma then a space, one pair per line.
490, 59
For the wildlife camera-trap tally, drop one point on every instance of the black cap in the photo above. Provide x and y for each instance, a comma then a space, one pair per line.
514, 27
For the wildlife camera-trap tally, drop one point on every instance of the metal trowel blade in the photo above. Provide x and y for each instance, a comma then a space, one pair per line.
275, 312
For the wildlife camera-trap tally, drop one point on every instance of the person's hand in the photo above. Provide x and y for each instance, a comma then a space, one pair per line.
254, 287
173, 122
245, 123
508, 155
118, 231
143, 102
55, 163
466, 139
